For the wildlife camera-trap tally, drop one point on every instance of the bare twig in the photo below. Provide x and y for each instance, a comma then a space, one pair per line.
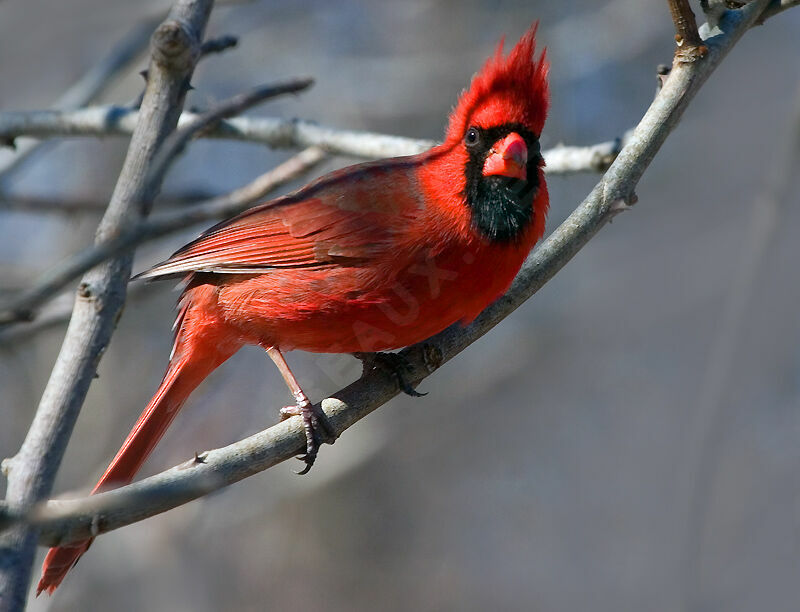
60, 276
66, 521
564, 160
218, 45
177, 141
690, 45
277, 133
56, 313
90, 86
44, 205
175, 48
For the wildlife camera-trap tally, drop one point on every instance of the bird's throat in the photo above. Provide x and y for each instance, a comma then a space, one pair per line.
501, 207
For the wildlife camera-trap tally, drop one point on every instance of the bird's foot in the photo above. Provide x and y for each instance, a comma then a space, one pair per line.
316, 426
395, 364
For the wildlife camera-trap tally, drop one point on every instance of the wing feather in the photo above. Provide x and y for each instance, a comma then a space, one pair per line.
347, 218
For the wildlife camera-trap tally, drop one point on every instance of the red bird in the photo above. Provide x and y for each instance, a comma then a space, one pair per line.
373, 257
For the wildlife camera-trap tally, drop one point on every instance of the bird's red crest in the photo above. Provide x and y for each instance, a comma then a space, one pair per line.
506, 89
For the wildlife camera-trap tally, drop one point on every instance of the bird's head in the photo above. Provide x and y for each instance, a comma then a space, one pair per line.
493, 135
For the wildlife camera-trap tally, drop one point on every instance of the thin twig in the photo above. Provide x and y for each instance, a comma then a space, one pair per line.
690, 45
67, 521
55, 314
277, 133
44, 205
177, 141
218, 45
564, 160
175, 48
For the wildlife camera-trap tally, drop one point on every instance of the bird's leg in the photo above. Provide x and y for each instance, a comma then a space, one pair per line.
314, 421
393, 363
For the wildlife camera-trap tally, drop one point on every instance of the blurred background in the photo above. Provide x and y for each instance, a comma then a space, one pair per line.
627, 440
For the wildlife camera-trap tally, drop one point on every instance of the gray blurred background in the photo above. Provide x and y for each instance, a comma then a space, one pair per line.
620, 443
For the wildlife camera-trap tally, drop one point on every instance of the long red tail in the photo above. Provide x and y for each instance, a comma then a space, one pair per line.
195, 356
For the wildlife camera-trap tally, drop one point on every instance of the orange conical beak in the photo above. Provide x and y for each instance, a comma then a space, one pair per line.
509, 157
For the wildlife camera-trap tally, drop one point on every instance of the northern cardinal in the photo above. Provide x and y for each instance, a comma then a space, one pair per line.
373, 257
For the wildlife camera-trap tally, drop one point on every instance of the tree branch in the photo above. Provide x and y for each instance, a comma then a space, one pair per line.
177, 141
564, 160
175, 48
71, 520
56, 313
34, 204
277, 133
690, 46
218, 45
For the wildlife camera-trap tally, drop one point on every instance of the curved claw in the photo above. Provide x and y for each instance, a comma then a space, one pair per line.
395, 363
309, 461
314, 423
409, 390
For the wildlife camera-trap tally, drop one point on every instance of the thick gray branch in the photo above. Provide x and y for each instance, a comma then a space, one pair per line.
66, 521
175, 48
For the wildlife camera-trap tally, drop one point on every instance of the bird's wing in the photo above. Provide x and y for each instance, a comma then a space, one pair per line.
348, 217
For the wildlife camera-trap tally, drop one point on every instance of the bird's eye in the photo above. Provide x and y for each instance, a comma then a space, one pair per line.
472, 137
